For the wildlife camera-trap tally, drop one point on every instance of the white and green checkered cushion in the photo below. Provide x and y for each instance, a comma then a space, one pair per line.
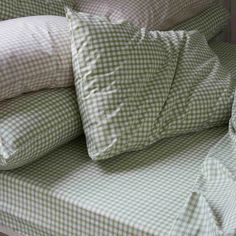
151, 14
210, 22
35, 53
36, 123
19, 8
135, 87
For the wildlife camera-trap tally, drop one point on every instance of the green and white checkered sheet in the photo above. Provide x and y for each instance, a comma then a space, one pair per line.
210, 22
151, 14
210, 208
139, 193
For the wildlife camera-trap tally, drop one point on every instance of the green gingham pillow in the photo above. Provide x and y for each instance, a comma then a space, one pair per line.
135, 87
18, 8
36, 123
35, 53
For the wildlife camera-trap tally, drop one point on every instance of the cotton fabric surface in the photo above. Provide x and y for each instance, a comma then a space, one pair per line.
135, 87
140, 193
210, 22
35, 53
35, 124
150, 14
20, 8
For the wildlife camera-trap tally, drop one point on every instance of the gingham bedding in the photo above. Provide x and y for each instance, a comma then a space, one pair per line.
227, 55
151, 14
210, 208
20, 8
46, 62
210, 22
35, 124
135, 87
141, 193
35, 53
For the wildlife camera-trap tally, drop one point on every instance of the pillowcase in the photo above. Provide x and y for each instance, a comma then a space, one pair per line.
35, 53
150, 14
135, 87
210, 22
36, 123
18, 8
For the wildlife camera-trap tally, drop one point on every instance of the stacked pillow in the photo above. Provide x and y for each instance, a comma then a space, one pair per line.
34, 54
39, 110
36, 123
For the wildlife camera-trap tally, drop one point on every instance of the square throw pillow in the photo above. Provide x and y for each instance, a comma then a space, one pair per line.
135, 87
150, 14
35, 53
36, 123
19, 8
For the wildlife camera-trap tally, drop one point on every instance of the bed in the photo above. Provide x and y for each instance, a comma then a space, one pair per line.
140, 194
125, 197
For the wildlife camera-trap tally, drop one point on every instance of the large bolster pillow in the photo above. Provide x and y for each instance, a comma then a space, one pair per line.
36, 123
35, 53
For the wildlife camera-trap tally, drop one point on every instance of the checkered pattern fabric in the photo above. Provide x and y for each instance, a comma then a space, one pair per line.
227, 55
34, 124
141, 193
210, 22
35, 53
151, 14
211, 207
20, 8
135, 87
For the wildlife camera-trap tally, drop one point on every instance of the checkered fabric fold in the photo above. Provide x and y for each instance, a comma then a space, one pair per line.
210, 22
36, 123
135, 87
20, 8
211, 207
227, 55
35, 53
